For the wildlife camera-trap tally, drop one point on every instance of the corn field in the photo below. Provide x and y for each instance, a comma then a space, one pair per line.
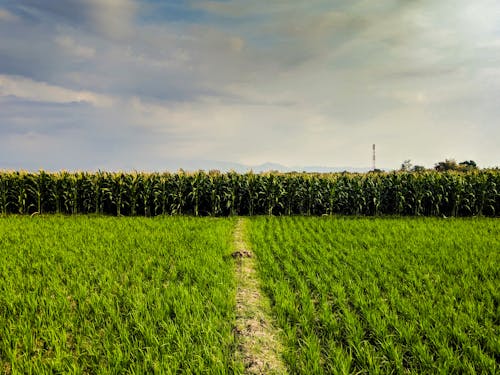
223, 194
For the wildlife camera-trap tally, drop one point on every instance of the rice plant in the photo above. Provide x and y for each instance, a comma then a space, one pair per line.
384, 295
90, 295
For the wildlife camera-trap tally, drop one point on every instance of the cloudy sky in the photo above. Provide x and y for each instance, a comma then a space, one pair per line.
166, 84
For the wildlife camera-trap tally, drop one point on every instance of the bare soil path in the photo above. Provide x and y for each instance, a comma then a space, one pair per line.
258, 344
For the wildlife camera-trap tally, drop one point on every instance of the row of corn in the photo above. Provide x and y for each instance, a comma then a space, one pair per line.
221, 194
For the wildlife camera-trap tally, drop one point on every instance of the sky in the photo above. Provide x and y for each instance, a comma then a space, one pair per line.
161, 85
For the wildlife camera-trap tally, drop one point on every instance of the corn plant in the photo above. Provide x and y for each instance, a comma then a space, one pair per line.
473, 193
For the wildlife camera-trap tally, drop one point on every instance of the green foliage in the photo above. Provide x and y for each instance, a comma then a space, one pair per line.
89, 295
468, 165
426, 193
368, 296
406, 166
451, 165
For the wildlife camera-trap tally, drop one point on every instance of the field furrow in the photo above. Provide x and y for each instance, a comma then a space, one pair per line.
258, 343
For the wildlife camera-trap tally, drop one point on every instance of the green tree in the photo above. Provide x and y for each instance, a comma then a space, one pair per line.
418, 168
447, 165
468, 165
452, 165
406, 166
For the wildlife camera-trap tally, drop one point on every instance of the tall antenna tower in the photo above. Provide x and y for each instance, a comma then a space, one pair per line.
373, 159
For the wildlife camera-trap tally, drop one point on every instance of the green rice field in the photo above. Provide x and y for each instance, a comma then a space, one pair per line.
413, 295
106, 295
362, 295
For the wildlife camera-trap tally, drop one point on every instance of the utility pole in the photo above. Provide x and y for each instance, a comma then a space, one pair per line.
373, 160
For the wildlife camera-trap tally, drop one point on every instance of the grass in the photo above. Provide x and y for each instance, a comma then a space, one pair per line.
116, 295
361, 295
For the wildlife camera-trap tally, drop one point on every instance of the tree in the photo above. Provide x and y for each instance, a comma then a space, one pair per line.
468, 165
447, 165
418, 168
406, 166
451, 165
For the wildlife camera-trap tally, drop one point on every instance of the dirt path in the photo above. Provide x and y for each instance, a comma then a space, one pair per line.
258, 345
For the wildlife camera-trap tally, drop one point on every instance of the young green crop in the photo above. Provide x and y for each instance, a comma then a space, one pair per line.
116, 295
361, 295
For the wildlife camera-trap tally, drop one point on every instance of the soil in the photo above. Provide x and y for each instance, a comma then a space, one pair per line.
258, 345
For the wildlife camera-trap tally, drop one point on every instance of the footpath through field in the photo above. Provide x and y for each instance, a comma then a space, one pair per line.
258, 345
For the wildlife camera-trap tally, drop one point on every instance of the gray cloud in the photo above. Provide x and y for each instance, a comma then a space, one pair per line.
287, 82
109, 17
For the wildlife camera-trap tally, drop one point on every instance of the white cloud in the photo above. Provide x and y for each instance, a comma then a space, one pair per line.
73, 48
236, 44
42, 92
114, 18
6, 16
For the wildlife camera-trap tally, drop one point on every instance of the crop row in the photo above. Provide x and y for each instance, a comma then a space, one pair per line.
384, 296
218, 194
106, 295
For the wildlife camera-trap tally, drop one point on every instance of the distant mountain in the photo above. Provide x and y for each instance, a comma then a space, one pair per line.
320, 169
174, 165
224, 166
266, 167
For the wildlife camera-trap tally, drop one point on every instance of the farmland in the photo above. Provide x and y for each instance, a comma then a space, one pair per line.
354, 295
429, 193
102, 294
116, 295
